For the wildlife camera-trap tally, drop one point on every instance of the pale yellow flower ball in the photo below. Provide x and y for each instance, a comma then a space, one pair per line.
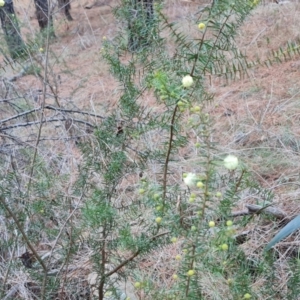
190, 179
224, 247
211, 224
201, 26
2, 3
229, 223
231, 162
156, 196
141, 191
191, 273
187, 81
200, 184
197, 108
191, 200
158, 220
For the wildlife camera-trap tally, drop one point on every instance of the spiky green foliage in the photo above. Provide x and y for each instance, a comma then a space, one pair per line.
131, 198
153, 69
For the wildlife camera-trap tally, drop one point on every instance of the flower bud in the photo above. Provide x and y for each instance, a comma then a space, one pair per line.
201, 26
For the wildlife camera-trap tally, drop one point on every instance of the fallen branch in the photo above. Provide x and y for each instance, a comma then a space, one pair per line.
50, 107
273, 211
258, 209
45, 121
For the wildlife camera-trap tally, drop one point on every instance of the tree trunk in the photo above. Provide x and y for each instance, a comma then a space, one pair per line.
140, 24
44, 16
66, 6
11, 30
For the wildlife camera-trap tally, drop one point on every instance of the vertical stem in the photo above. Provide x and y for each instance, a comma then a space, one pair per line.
191, 268
45, 79
168, 155
102, 271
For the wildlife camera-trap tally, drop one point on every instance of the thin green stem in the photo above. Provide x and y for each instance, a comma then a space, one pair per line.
168, 155
43, 104
191, 268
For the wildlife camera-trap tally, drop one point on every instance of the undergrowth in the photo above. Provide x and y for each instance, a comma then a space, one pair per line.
132, 194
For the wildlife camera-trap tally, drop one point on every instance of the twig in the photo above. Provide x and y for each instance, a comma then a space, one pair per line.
62, 228
50, 108
69, 250
20, 115
45, 121
168, 154
116, 269
4, 280
102, 267
276, 212
240, 213
74, 111
257, 209
256, 37
2, 200
38, 139
131, 257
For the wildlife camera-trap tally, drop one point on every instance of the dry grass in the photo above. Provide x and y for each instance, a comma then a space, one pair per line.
256, 117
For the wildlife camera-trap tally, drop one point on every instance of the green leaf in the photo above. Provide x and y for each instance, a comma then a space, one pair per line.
291, 227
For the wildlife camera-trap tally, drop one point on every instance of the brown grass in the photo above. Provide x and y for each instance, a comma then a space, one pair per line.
256, 117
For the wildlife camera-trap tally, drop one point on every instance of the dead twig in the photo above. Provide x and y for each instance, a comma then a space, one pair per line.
257, 209
273, 211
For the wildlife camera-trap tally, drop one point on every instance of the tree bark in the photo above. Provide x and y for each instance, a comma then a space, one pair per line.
11, 30
44, 16
66, 6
